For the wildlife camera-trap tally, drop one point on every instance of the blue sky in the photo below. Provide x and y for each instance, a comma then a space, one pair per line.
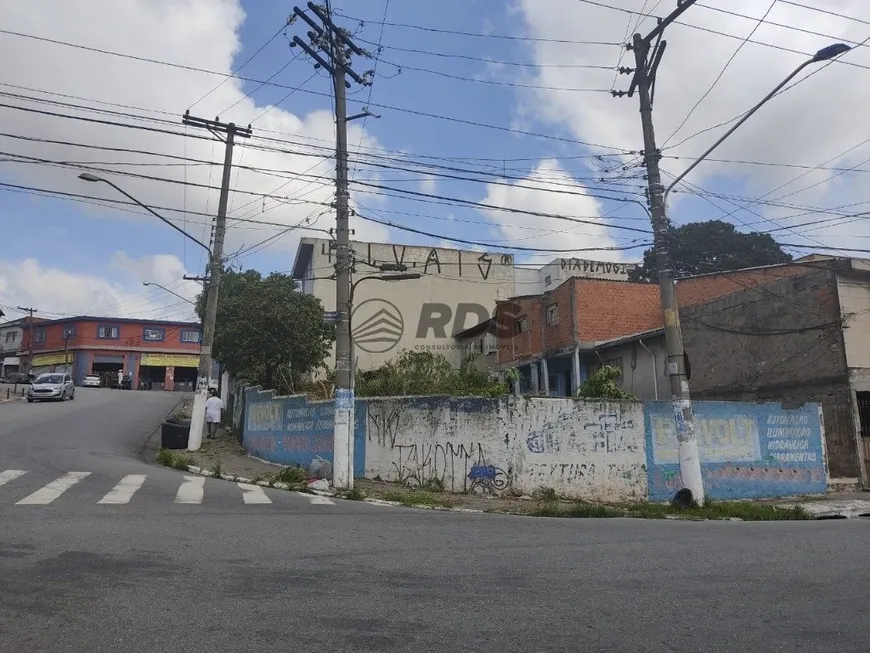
70, 257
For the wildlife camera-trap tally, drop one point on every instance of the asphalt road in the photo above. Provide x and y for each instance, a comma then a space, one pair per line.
222, 575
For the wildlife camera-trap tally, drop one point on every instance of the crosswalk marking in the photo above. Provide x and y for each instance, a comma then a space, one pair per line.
317, 499
124, 490
253, 494
47, 494
10, 475
191, 491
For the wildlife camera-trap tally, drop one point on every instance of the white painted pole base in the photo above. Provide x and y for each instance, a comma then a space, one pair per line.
197, 420
690, 469
340, 461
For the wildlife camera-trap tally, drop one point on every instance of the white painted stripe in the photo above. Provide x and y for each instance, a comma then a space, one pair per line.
191, 490
10, 475
253, 494
317, 499
47, 494
125, 489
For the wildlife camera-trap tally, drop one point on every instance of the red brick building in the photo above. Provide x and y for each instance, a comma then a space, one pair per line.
156, 354
557, 339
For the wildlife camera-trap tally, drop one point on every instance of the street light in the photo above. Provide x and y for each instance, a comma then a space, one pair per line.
342, 456
825, 54
690, 461
151, 283
87, 176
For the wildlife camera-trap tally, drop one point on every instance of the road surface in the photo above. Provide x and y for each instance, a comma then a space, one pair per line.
100, 552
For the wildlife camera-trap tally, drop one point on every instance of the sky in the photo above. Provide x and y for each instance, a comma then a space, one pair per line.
489, 117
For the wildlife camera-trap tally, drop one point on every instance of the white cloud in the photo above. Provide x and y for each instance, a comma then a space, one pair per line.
190, 32
807, 125
55, 292
554, 191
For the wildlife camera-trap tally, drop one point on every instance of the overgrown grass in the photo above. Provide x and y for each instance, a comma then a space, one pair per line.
291, 476
417, 498
216, 472
743, 510
171, 459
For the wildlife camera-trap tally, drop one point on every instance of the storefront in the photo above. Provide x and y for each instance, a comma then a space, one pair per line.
53, 362
168, 372
9, 365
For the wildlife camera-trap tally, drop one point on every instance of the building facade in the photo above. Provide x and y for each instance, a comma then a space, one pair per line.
12, 336
457, 290
157, 355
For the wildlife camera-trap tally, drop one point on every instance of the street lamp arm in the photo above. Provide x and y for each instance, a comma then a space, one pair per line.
745, 117
89, 177
151, 283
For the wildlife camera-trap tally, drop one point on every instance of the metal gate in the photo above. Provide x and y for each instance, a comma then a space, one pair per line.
863, 399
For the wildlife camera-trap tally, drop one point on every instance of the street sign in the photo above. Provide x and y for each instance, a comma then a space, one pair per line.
330, 317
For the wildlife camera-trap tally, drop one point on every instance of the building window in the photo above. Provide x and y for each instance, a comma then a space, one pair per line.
490, 343
69, 332
548, 280
521, 325
189, 335
553, 315
107, 332
10, 337
39, 336
152, 334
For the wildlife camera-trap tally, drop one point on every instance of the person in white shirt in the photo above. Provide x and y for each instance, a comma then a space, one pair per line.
120, 377
213, 408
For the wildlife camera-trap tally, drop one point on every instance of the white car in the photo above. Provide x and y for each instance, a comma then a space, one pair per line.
54, 386
92, 381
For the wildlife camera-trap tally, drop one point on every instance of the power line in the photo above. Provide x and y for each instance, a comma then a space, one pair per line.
415, 112
825, 11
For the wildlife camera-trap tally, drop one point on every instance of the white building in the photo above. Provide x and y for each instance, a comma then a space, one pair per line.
457, 290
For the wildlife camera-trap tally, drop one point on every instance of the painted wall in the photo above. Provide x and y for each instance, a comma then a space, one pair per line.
747, 450
293, 431
597, 451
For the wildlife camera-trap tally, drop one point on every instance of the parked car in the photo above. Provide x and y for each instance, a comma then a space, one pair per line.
53, 386
92, 381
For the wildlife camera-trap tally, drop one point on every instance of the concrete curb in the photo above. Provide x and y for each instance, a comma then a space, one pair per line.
199, 471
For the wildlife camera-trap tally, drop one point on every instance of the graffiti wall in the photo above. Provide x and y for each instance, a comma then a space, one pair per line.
747, 450
581, 449
293, 430
441, 442
613, 452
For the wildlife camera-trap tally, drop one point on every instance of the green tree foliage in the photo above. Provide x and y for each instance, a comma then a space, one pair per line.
268, 332
603, 385
425, 373
713, 246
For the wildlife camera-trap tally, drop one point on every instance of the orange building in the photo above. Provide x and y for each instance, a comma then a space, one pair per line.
155, 354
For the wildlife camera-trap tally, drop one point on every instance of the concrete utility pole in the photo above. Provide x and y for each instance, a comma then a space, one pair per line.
336, 44
647, 58
30, 311
197, 421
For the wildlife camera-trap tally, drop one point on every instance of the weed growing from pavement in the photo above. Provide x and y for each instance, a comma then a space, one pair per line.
171, 459
354, 494
291, 476
545, 494
417, 498
743, 510
434, 484
217, 469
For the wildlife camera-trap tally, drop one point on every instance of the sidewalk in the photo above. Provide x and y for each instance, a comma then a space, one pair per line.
13, 395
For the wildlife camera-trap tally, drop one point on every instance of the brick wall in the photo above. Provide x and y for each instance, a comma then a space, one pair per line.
696, 290
612, 309
130, 334
782, 342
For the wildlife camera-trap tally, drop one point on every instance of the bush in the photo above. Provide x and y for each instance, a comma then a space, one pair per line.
425, 373
603, 385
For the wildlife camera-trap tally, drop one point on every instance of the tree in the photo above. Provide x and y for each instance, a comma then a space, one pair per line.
713, 246
266, 329
603, 385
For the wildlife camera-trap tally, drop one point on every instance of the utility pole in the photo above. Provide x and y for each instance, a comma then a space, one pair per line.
197, 421
30, 310
336, 44
648, 53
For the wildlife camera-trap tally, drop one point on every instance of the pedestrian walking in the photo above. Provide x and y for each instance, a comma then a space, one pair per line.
213, 408
120, 377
